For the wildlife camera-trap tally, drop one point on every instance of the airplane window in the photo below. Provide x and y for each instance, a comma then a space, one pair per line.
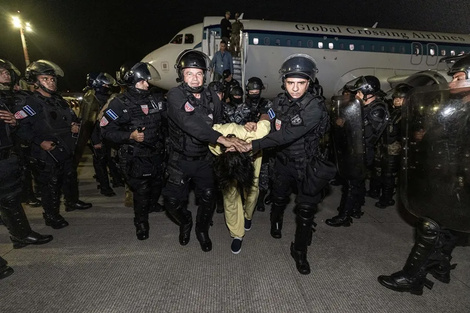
382, 48
320, 45
372, 47
267, 41
452, 52
255, 41
299, 43
363, 47
351, 47
392, 49
402, 49
330, 45
178, 39
288, 42
432, 52
278, 42
188, 38
341, 46
443, 52
310, 44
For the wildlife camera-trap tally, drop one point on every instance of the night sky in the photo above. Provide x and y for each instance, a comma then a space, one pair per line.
92, 36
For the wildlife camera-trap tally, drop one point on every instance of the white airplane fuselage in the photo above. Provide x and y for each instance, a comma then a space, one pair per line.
342, 53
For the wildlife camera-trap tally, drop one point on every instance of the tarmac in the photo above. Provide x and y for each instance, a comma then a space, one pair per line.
97, 264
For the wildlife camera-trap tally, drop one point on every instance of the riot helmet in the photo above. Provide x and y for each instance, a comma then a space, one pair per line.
236, 95
126, 67
42, 67
140, 71
462, 65
401, 90
254, 83
191, 59
216, 86
369, 86
299, 66
7, 68
90, 79
100, 82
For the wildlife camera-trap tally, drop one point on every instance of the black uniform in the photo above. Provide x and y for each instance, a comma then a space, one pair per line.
143, 161
296, 129
190, 132
49, 119
11, 211
102, 157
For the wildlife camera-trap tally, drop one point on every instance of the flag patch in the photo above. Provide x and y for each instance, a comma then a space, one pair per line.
271, 114
112, 114
188, 107
278, 124
145, 109
20, 115
29, 110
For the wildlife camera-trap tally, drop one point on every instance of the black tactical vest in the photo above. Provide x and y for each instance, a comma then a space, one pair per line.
146, 113
184, 143
308, 145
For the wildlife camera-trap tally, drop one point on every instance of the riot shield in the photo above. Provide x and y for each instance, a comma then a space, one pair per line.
89, 109
435, 174
347, 131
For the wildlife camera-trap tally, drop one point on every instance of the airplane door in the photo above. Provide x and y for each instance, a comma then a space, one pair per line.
416, 53
431, 56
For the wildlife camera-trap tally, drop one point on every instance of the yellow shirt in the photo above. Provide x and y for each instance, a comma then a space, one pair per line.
262, 129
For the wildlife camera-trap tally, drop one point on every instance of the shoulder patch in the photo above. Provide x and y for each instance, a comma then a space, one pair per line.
20, 115
29, 110
271, 114
104, 121
112, 114
188, 107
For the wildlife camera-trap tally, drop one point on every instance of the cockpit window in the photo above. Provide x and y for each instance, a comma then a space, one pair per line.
188, 38
178, 39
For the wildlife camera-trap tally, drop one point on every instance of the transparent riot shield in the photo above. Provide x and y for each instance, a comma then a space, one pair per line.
347, 133
89, 109
435, 175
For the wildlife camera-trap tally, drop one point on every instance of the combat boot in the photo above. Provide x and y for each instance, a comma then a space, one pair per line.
182, 216
412, 278
5, 271
204, 219
303, 236
18, 226
142, 228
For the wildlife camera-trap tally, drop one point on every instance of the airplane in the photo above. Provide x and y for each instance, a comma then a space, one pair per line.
342, 53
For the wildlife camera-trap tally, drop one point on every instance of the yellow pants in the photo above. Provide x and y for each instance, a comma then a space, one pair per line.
235, 211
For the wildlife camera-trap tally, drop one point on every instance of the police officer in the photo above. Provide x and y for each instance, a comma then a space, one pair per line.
259, 105
229, 83
134, 120
375, 115
299, 121
192, 110
218, 87
11, 211
391, 147
100, 89
51, 126
435, 187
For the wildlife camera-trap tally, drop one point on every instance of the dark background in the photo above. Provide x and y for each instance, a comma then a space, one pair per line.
86, 36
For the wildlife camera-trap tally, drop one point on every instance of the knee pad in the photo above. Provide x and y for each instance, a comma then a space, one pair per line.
306, 210
428, 228
207, 195
279, 201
